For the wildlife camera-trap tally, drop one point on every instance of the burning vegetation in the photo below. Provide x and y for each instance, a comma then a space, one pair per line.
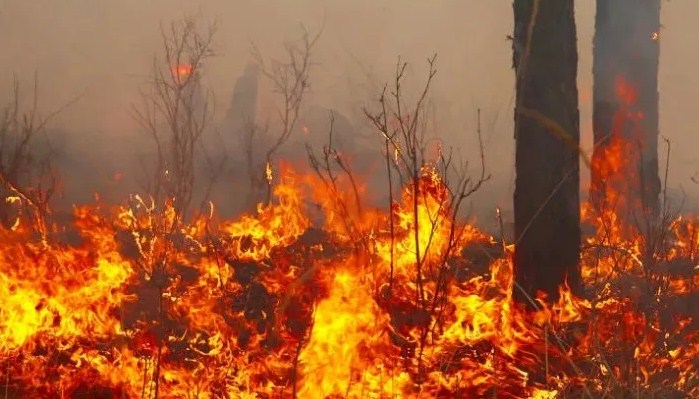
127, 303
315, 294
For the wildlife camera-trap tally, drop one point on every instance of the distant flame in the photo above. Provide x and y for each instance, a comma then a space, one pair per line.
182, 71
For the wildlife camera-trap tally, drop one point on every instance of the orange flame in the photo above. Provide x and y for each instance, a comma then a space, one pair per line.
182, 71
271, 305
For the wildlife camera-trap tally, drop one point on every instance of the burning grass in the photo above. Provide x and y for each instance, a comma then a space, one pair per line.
316, 296
125, 303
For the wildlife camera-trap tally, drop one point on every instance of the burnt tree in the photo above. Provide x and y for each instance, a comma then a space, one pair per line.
625, 108
547, 134
242, 113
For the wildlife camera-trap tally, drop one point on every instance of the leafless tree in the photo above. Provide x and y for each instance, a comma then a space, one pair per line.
402, 127
290, 82
175, 110
27, 179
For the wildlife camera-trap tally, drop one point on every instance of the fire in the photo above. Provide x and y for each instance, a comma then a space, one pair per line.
346, 329
182, 71
268, 173
272, 304
617, 165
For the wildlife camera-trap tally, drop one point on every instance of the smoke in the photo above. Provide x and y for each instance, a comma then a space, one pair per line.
103, 51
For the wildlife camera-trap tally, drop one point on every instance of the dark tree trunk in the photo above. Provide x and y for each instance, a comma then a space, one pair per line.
625, 109
242, 112
547, 134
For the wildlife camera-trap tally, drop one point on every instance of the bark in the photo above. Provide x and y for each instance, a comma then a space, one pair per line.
547, 134
625, 108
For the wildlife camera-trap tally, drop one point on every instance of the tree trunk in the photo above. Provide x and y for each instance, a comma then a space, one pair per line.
547, 134
625, 109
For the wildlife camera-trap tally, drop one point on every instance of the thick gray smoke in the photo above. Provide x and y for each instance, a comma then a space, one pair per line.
102, 52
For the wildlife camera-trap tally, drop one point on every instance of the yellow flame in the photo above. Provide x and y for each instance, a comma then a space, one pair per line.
268, 173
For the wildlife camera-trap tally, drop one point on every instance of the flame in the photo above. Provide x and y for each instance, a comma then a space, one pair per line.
268, 173
345, 331
617, 164
182, 71
120, 304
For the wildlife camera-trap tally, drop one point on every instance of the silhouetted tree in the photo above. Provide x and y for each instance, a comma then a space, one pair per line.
290, 80
546, 199
243, 109
175, 111
27, 178
625, 109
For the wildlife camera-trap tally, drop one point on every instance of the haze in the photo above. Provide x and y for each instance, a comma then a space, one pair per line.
101, 51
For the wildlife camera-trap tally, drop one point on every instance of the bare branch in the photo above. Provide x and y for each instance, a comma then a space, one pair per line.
175, 111
27, 178
290, 81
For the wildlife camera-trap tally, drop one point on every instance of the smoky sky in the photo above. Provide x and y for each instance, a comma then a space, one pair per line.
100, 51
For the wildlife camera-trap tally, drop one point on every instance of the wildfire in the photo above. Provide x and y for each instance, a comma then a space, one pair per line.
182, 71
617, 166
402, 303
266, 310
268, 173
